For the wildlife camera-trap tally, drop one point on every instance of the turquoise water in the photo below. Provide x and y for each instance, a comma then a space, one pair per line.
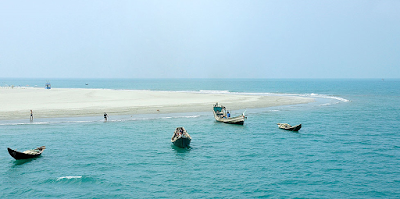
349, 146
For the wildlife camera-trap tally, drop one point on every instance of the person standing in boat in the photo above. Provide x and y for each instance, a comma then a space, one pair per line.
105, 116
229, 114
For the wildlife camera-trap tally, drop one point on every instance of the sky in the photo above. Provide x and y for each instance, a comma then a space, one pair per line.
200, 39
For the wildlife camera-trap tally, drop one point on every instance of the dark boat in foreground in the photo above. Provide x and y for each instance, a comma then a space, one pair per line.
222, 115
181, 138
26, 154
288, 127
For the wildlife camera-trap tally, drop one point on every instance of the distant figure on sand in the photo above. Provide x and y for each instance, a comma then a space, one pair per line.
105, 116
31, 116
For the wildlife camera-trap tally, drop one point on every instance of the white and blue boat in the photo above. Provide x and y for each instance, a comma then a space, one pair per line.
221, 115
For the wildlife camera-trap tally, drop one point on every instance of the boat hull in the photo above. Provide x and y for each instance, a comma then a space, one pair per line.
20, 156
295, 128
182, 142
232, 120
291, 128
222, 115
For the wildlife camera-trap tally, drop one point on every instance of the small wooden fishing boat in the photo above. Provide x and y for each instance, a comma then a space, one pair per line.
26, 154
181, 138
288, 127
222, 115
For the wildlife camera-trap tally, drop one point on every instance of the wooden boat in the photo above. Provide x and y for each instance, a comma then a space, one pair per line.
221, 115
289, 127
181, 138
26, 154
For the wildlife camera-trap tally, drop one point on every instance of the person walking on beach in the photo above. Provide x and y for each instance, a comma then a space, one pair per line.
105, 116
31, 116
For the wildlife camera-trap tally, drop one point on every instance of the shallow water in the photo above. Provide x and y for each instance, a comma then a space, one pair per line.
348, 147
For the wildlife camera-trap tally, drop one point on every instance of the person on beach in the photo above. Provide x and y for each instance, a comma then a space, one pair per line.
31, 118
105, 116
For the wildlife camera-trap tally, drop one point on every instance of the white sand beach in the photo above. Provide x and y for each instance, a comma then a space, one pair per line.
16, 103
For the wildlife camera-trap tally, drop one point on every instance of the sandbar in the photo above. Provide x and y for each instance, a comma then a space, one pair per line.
16, 103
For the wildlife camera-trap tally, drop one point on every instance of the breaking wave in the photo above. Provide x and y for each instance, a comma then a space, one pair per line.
69, 177
214, 91
326, 97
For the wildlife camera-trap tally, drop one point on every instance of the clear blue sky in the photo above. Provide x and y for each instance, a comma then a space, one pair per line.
200, 39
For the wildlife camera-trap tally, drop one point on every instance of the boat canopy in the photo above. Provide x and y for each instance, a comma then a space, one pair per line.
217, 108
48, 86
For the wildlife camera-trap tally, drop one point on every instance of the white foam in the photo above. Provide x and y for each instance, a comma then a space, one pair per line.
326, 97
187, 116
214, 91
191, 116
314, 95
69, 177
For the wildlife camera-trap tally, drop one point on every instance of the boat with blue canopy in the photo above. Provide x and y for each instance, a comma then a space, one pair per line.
222, 115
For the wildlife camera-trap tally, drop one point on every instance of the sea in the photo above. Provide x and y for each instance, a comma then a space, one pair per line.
348, 146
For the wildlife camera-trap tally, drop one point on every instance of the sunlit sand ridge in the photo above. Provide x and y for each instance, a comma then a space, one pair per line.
16, 103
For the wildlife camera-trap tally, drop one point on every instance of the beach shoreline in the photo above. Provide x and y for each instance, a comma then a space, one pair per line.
16, 103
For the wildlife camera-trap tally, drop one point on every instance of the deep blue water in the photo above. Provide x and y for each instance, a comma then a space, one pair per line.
349, 146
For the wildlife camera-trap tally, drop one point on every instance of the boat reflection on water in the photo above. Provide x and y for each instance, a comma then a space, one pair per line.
22, 161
